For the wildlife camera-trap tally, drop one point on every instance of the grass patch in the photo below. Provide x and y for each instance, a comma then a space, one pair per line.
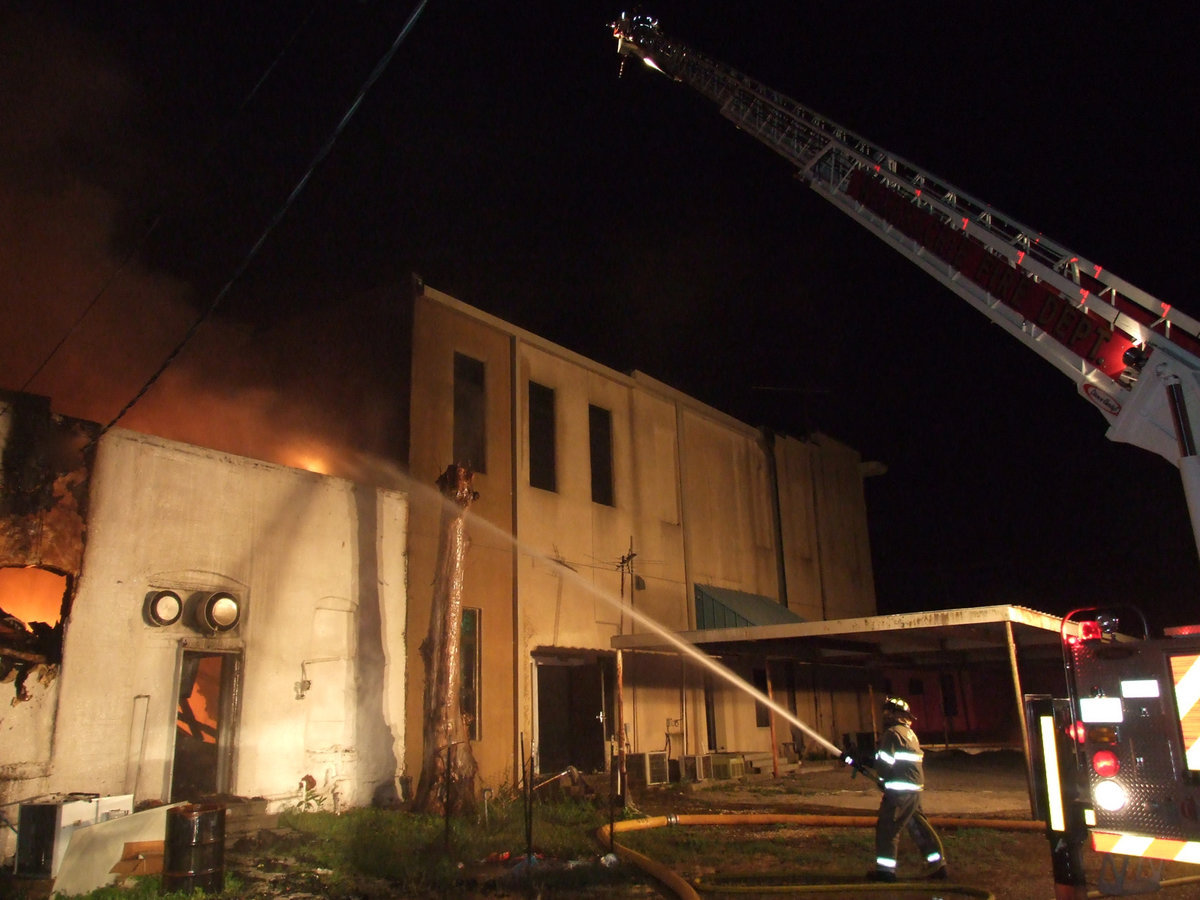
149, 887
414, 855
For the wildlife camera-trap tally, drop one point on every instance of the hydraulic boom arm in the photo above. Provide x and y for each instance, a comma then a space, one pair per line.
1133, 357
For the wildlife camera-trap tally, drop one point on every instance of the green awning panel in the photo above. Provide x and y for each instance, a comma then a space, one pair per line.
725, 608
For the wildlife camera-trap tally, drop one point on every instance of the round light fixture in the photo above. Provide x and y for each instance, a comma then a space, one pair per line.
1109, 795
220, 612
163, 608
1105, 763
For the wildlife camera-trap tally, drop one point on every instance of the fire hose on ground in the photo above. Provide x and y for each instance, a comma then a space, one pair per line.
685, 890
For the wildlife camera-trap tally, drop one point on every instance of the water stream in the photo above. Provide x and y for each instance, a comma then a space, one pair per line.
688, 649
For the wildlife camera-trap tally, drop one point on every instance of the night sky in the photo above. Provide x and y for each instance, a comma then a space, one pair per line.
499, 155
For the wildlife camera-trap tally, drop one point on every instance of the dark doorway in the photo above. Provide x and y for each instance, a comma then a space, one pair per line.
204, 725
575, 719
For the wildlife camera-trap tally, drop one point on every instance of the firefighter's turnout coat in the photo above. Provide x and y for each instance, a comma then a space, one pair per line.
899, 763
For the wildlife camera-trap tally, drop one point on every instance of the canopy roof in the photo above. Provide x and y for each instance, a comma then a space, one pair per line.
915, 639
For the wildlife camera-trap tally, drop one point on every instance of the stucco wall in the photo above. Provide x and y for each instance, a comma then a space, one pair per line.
728, 507
849, 580
438, 333
693, 492
823, 522
305, 554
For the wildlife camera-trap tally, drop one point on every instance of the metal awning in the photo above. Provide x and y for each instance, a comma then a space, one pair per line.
932, 640
911, 639
718, 607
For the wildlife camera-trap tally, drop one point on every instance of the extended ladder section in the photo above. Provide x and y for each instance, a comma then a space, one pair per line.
1099, 330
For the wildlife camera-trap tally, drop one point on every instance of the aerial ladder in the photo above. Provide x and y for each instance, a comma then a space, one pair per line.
1118, 759
1135, 358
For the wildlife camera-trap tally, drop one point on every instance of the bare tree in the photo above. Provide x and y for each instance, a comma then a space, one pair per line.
448, 767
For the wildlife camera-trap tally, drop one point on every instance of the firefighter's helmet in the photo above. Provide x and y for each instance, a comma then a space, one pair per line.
897, 706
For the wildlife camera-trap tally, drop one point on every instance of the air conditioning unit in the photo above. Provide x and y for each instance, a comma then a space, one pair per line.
728, 765
648, 768
697, 767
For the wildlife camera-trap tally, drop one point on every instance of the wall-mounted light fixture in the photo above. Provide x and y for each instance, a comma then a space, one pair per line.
162, 608
304, 685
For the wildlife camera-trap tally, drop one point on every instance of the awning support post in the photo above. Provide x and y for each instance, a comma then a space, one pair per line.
1020, 700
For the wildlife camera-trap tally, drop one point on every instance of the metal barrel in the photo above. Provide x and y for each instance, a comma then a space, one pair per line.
194, 849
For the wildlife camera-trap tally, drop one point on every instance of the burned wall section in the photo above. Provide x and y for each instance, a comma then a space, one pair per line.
277, 697
45, 466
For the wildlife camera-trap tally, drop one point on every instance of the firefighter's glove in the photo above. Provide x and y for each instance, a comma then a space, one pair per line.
852, 763
848, 759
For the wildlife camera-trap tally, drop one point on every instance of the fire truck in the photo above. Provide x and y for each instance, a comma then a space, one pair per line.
1118, 759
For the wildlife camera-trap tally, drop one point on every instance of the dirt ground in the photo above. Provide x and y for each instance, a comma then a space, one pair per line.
1016, 864
988, 784
1013, 865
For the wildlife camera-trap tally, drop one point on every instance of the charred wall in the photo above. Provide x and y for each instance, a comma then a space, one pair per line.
45, 466
44, 472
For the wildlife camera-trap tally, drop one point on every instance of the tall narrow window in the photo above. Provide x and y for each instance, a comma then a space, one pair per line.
470, 443
542, 462
468, 691
600, 438
710, 713
762, 716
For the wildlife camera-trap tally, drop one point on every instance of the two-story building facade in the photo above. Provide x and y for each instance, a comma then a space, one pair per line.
611, 504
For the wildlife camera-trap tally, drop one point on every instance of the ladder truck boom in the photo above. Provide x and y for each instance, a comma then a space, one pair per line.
1119, 758
1133, 357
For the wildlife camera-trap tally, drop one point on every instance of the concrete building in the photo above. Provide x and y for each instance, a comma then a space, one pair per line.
610, 505
231, 625
219, 623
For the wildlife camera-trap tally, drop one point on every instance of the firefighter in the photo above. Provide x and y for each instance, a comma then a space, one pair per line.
899, 771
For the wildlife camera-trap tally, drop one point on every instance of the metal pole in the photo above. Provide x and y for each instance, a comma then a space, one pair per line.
874, 720
771, 719
621, 773
527, 801
1020, 699
683, 716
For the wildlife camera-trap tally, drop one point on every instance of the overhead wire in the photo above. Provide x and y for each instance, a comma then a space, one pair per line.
252, 254
161, 214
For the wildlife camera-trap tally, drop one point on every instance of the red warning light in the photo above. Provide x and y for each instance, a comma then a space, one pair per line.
1105, 763
1181, 630
1090, 631
1078, 732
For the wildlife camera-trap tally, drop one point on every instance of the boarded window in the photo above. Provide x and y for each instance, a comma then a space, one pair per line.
949, 695
542, 459
470, 444
710, 714
469, 692
600, 439
762, 716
